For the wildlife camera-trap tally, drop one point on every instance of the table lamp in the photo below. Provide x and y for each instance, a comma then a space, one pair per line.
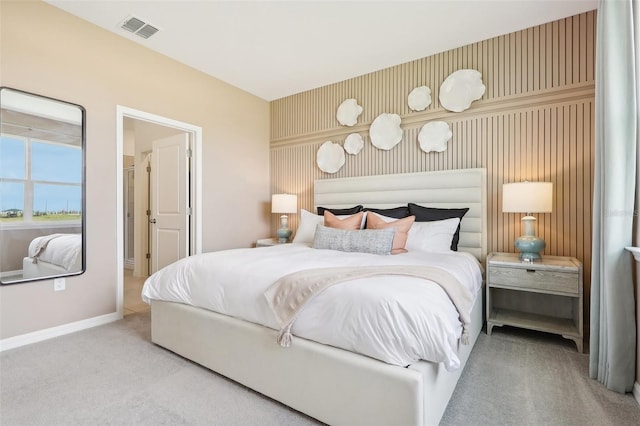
528, 197
284, 203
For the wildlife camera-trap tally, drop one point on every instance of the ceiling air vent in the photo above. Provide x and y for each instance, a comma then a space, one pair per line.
147, 31
138, 27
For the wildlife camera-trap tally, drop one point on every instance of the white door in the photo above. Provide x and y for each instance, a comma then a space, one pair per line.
169, 201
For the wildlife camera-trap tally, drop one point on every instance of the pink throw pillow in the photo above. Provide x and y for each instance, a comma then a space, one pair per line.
374, 221
352, 222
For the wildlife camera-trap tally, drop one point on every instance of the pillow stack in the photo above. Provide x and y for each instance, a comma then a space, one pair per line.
382, 231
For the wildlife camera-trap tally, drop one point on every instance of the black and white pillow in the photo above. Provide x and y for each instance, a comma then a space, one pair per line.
339, 212
429, 214
396, 212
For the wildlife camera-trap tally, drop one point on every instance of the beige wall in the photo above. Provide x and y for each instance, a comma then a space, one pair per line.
535, 122
47, 51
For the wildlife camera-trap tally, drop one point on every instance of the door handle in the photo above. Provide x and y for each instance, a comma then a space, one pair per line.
152, 221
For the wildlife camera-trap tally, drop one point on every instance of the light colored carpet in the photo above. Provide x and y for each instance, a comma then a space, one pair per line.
114, 375
520, 377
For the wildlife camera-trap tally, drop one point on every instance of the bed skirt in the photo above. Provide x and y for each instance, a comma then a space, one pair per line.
333, 385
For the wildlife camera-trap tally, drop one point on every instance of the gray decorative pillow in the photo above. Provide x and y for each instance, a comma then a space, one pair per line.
374, 241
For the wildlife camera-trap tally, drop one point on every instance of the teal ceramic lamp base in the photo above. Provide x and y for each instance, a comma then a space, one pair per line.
529, 245
530, 248
284, 232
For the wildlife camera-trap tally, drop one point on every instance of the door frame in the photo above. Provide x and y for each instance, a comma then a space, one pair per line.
123, 112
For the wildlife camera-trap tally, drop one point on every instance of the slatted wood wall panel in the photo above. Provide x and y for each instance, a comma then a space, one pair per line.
539, 59
535, 122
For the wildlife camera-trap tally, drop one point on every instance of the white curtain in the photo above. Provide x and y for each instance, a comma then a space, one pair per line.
613, 326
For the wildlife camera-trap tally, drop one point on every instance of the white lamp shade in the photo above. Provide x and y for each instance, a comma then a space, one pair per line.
284, 203
527, 197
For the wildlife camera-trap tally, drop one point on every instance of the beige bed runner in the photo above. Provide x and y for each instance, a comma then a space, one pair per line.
289, 294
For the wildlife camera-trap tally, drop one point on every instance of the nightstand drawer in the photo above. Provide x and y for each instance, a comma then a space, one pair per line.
566, 282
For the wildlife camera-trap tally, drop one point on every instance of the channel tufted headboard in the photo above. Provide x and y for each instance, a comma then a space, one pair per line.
442, 189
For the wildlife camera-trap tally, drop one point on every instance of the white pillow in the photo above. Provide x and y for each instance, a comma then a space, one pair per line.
434, 236
383, 217
307, 228
308, 222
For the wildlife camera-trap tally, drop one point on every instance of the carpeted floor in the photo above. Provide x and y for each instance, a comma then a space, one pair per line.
520, 377
114, 375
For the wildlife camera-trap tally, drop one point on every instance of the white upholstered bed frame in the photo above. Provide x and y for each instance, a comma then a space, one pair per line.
41, 269
330, 384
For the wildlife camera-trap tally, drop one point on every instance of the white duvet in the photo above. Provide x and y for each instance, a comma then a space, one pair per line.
64, 250
396, 319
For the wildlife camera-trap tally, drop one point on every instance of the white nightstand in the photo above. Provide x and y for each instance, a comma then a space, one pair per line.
267, 242
545, 295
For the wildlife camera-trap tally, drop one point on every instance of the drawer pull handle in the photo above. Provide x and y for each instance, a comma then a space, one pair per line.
531, 270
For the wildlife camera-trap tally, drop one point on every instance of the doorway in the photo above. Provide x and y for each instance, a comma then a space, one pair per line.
143, 141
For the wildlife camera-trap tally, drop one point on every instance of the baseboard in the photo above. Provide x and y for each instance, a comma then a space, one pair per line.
636, 392
61, 330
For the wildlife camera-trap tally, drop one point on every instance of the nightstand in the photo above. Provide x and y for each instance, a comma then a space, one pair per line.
545, 295
267, 242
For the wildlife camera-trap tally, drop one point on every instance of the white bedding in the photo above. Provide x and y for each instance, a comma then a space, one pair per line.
398, 320
64, 250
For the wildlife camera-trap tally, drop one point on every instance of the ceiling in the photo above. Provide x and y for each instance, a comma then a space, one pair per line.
273, 49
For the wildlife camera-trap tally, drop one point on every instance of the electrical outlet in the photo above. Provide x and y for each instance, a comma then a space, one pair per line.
58, 284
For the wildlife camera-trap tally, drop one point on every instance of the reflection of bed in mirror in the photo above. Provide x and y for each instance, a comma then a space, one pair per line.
54, 254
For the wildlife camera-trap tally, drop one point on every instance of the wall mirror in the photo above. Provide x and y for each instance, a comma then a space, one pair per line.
42, 187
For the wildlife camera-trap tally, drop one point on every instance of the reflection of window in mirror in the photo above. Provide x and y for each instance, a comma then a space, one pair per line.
39, 180
41, 187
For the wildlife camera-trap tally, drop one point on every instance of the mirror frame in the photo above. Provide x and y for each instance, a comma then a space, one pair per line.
83, 206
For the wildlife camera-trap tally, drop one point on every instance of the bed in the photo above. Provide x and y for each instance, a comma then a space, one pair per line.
335, 385
54, 254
